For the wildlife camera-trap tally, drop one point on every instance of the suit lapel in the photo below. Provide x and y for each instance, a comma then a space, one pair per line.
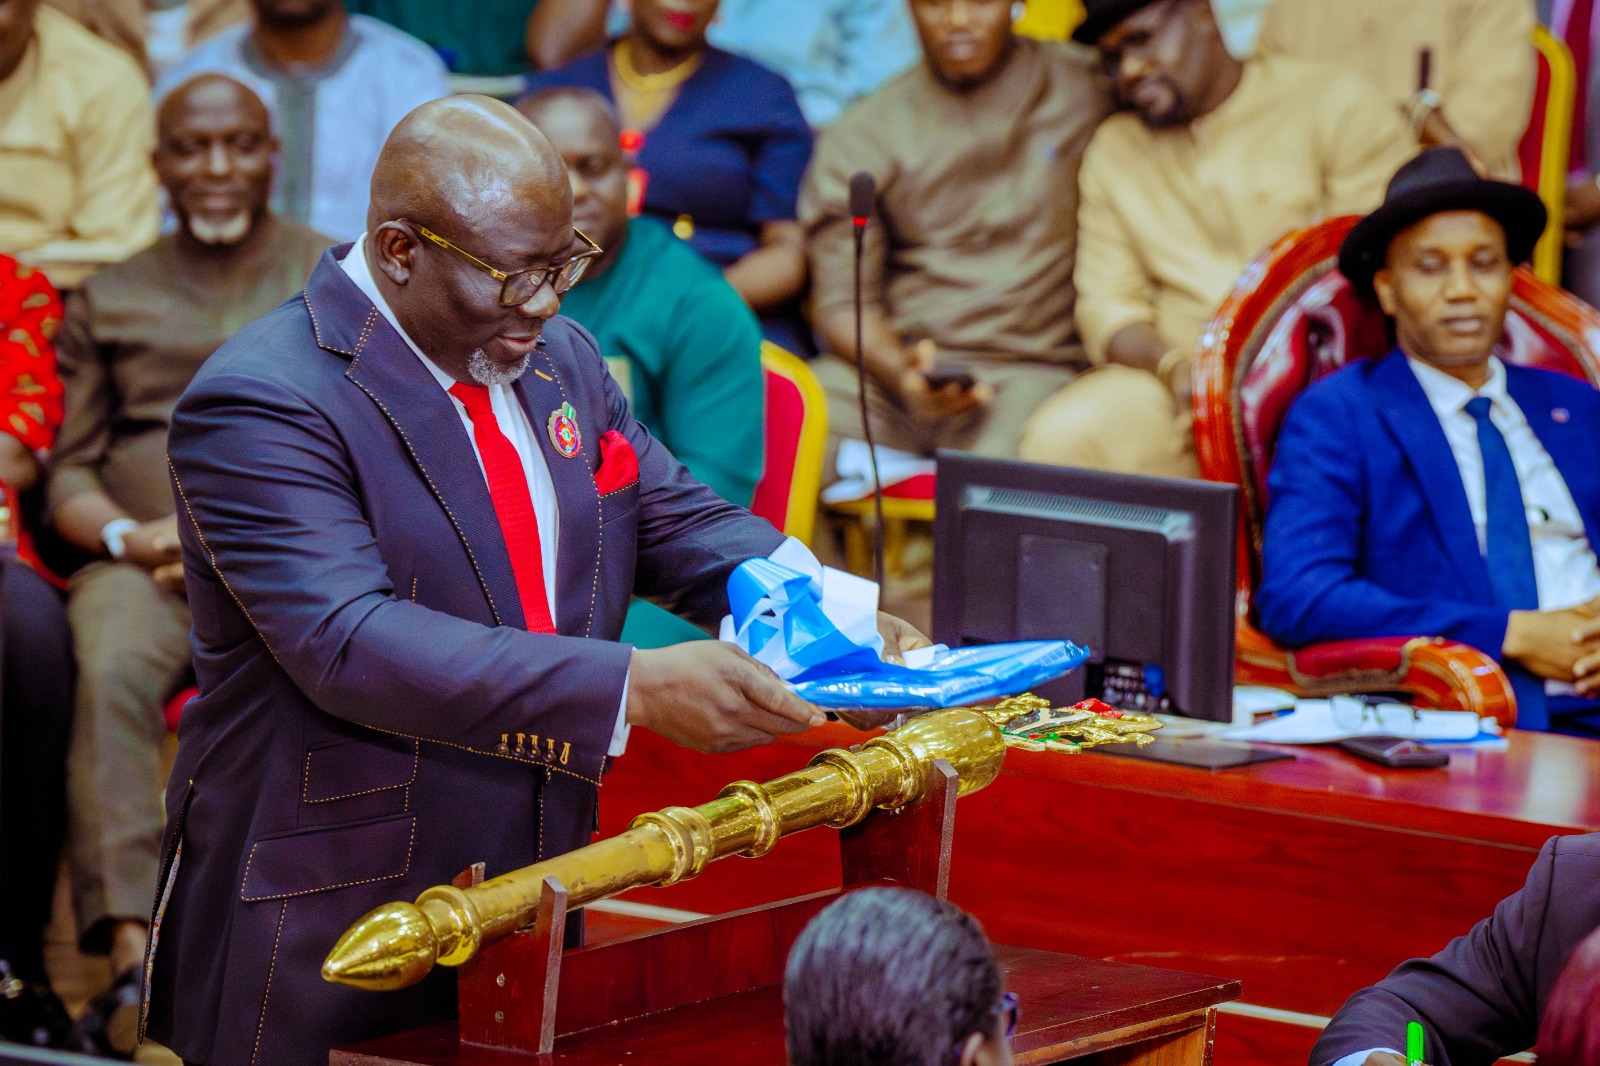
1569, 444
1410, 418
542, 392
383, 367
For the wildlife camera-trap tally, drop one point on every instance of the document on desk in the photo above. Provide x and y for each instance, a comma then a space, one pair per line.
1325, 721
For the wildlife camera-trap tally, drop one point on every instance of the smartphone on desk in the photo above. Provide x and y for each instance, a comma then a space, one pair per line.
1394, 752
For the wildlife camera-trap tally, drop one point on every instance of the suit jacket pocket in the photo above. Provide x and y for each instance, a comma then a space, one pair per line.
352, 768
619, 503
319, 860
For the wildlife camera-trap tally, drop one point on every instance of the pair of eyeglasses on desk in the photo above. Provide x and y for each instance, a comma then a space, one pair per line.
1374, 714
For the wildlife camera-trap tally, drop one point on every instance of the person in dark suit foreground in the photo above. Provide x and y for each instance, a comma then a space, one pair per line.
1438, 490
408, 563
1483, 996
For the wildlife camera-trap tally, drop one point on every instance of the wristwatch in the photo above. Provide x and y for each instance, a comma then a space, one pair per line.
113, 532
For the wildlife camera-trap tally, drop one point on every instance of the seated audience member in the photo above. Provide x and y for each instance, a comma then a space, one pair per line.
895, 977
156, 33
833, 52
1569, 1035
968, 256
336, 84
35, 671
134, 336
1480, 64
1437, 490
1479, 999
74, 147
484, 37
722, 146
684, 348
1215, 159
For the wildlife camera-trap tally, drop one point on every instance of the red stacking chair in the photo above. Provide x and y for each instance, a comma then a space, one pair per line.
1292, 318
796, 436
1547, 142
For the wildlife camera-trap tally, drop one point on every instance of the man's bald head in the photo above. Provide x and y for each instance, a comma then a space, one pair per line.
466, 161
214, 149
492, 192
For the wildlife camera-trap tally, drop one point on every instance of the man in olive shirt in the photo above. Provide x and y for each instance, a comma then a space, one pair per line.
133, 337
682, 344
969, 253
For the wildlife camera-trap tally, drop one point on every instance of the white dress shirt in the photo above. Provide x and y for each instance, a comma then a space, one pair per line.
514, 423
1563, 559
1564, 563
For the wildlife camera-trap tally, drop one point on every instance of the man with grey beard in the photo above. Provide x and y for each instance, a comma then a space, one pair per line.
133, 337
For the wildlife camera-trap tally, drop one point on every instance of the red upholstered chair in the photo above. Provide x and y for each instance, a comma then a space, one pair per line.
796, 440
1291, 319
1547, 142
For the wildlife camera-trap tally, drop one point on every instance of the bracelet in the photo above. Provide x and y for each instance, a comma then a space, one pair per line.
112, 534
1424, 102
1170, 364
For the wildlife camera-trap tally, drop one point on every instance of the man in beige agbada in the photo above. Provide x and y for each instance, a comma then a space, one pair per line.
1212, 161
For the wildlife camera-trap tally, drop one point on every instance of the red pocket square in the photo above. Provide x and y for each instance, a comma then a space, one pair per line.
619, 466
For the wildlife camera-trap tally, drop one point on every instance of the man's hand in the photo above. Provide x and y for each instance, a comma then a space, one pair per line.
170, 576
899, 637
1582, 206
929, 404
1553, 644
153, 544
710, 696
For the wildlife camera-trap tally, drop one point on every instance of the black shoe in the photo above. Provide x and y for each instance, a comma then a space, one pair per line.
110, 1027
31, 1014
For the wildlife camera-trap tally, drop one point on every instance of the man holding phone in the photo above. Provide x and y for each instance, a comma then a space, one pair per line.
967, 269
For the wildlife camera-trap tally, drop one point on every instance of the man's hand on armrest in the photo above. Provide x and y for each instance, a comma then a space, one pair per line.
712, 697
1138, 346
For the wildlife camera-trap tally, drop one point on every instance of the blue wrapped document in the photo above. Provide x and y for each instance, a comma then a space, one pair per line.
818, 631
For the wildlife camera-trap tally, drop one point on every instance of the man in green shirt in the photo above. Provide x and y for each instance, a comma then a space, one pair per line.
683, 346
484, 37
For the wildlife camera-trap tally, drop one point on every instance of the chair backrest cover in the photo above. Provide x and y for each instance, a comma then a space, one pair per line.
796, 433
1293, 318
1547, 142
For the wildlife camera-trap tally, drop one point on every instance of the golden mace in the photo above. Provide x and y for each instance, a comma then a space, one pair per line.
396, 945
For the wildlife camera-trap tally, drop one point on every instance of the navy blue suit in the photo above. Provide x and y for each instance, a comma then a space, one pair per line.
372, 716
1368, 532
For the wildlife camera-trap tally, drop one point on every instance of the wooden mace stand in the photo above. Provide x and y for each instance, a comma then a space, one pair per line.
509, 993
711, 990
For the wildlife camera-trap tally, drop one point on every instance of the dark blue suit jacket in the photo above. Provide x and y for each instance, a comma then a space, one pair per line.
1368, 533
372, 716
1483, 996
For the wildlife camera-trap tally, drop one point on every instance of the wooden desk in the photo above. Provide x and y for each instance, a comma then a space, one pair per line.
1081, 1010
1306, 880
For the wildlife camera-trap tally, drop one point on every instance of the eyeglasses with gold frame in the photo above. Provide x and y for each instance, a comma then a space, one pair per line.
517, 287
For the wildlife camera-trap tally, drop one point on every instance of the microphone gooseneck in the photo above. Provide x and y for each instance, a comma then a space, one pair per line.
863, 193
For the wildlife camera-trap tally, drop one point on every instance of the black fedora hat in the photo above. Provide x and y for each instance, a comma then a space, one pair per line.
1100, 15
1440, 179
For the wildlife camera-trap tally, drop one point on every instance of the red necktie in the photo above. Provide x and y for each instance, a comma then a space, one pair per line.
513, 505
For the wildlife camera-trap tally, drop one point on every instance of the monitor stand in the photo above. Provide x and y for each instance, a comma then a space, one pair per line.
1198, 752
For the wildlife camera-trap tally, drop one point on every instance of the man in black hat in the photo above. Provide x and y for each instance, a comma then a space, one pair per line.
1439, 490
1212, 161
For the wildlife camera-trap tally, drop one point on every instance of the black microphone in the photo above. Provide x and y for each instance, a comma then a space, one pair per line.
863, 193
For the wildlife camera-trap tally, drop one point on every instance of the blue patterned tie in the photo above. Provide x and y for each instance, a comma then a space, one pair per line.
1509, 552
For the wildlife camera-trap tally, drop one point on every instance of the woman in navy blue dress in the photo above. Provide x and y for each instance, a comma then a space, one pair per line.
721, 145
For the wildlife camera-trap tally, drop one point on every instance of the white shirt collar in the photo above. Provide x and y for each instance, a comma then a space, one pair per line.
1448, 395
357, 270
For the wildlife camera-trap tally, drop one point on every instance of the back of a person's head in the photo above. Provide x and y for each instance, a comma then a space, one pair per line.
1569, 1034
888, 977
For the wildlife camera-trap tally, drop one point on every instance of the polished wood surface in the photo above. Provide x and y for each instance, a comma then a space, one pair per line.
1306, 879
1072, 1009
